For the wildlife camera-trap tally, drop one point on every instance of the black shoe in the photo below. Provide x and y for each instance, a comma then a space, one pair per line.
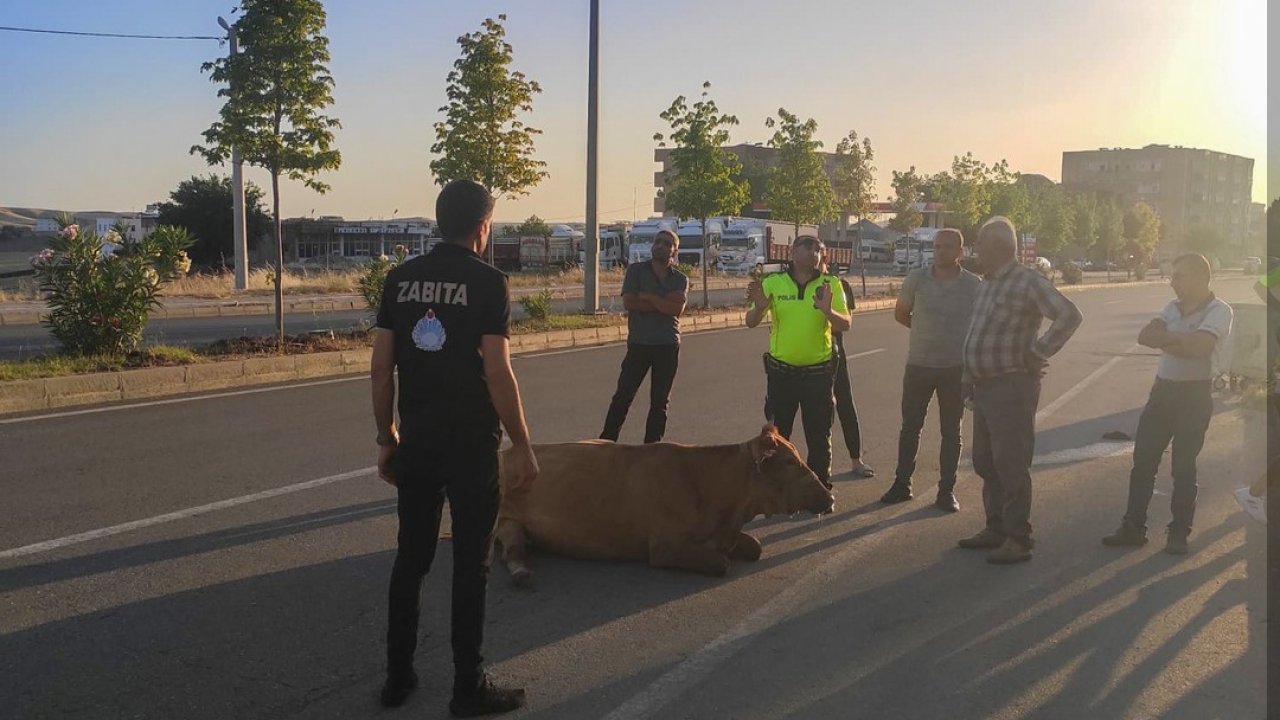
1176, 544
898, 492
486, 699
1128, 535
947, 501
398, 688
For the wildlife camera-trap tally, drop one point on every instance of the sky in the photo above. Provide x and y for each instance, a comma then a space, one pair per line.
106, 124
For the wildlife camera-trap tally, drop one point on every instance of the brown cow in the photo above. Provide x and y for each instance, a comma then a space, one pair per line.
674, 506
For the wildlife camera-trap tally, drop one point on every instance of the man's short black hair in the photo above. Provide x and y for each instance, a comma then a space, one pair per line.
460, 208
666, 236
811, 240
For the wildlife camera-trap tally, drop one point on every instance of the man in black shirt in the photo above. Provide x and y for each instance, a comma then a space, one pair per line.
654, 296
443, 323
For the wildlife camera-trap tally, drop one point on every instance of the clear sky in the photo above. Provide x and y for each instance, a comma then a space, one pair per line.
96, 123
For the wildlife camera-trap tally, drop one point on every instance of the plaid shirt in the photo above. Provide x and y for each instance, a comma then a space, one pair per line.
1007, 312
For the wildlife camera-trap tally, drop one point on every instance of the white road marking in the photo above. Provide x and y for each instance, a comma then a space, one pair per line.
179, 515
174, 401
697, 666
1079, 387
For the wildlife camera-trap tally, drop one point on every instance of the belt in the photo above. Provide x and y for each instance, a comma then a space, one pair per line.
774, 365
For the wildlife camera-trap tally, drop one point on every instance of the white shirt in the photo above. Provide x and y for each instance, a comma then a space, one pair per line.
1214, 317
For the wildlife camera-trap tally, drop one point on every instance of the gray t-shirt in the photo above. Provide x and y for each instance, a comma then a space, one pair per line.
940, 315
653, 328
1213, 317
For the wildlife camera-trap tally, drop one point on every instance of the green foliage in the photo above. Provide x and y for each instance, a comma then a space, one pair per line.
277, 87
853, 179
100, 290
203, 205
533, 227
1207, 240
1084, 221
538, 306
799, 189
1141, 231
756, 175
1071, 273
374, 277
481, 138
908, 188
1054, 223
702, 180
1110, 229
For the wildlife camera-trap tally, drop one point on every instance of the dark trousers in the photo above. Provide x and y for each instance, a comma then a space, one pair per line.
1176, 412
1004, 443
919, 385
810, 392
660, 360
467, 473
846, 410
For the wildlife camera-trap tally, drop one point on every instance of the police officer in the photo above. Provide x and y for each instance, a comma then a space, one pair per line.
443, 323
807, 306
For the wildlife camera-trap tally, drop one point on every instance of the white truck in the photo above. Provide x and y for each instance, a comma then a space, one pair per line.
914, 250
640, 247
753, 245
691, 237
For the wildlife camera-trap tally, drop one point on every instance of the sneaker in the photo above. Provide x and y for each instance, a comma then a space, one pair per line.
1009, 553
897, 492
1128, 535
398, 688
947, 501
1176, 544
1252, 504
988, 539
485, 699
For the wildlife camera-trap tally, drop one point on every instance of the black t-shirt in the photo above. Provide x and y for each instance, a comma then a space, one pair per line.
439, 306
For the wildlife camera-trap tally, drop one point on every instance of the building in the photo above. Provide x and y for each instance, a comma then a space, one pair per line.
1186, 187
331, 237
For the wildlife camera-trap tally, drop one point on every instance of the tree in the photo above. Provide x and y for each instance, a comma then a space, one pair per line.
1055, 224
1010, 198
965, 192
278, 86
907, 191
1084, 222
701, 182
1110, 231
853, 184
756, 174
533, 227
799, 188
1141, 231
1207, 240
481, 138
202, 205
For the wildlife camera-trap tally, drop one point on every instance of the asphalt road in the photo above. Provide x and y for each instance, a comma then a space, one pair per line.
272, 605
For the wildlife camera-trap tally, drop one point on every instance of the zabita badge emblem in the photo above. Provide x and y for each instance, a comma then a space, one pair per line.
429, 333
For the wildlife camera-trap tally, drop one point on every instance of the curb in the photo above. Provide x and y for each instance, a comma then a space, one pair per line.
18, 396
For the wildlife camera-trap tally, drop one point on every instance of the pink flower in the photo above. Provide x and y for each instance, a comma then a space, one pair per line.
43, 257
70, 232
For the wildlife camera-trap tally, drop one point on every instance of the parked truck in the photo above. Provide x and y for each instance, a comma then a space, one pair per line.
691, 242
914, 250
560, 250
640, 245
751, 245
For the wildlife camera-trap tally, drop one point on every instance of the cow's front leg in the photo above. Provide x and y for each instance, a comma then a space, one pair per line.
746, 548
696, 557
510, 535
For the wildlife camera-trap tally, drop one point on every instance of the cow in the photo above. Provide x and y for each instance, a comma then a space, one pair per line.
673, 506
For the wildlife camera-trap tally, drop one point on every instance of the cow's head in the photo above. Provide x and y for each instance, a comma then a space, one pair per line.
783, 483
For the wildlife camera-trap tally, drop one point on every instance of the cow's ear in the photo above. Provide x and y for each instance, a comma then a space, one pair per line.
765, 446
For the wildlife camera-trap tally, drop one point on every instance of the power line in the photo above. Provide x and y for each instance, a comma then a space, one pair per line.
111, 35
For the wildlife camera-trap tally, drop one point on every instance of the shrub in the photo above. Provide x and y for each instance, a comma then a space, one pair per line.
1072, 274
100, 290
374, 277
538, 305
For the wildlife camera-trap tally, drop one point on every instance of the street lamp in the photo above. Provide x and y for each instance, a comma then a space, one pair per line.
239, 241
591, 273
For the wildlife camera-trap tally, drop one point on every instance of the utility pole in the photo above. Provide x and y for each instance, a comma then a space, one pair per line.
591, 273
239, 241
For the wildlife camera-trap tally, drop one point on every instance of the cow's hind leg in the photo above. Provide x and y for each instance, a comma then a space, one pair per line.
515, 550
696, 557
745, 548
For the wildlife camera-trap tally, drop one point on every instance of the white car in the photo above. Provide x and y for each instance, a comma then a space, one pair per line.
1043, 264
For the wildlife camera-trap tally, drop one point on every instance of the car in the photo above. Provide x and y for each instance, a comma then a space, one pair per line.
1252, 265
1043, 264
